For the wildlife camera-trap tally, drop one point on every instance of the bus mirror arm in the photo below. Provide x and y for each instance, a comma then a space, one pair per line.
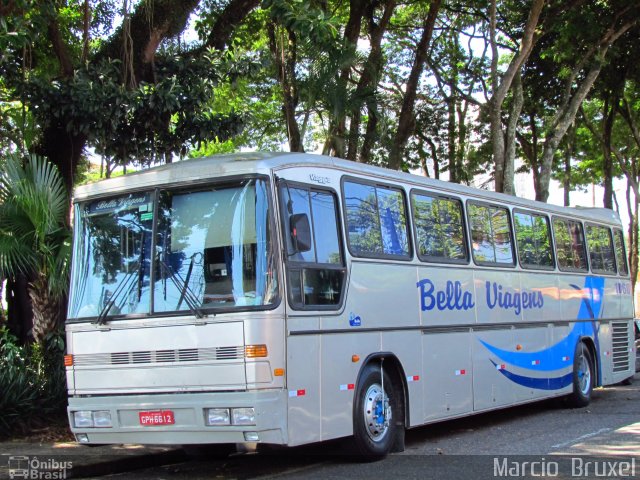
300, 232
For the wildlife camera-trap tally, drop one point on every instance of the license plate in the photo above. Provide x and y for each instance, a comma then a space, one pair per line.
157, 417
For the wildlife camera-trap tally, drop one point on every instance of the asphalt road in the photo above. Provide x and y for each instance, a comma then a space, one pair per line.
600, 441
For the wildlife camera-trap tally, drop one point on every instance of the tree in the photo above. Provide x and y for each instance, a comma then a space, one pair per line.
611, 20
34, 238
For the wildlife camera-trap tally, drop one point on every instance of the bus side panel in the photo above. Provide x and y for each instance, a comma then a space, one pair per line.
447, 374
380, 296
606, 359
303, 385
572, 289
547, 285
407, 347
533, 341
490, 387
339, 377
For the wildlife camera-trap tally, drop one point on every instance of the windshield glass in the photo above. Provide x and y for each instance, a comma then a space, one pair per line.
212, 250
111, 256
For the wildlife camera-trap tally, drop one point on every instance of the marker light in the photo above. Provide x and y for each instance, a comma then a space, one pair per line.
255, 351
68, 360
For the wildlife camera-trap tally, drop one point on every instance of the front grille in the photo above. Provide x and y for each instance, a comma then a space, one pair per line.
159, 356
621, 344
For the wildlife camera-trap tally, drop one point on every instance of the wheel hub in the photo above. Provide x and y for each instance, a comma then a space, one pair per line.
377, 412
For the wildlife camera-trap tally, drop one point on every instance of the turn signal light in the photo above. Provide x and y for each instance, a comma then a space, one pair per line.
255, 351
68, 360
278, 372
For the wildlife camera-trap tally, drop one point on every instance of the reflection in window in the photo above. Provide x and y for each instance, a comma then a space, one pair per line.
315, 277
490, 234
213, 249
376, 220
533, 239
600, 246
621, 253
112, 250
440, 233
570, 248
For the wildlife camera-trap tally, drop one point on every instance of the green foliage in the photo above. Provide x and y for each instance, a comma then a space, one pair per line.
32, 381
34, 238
147, 124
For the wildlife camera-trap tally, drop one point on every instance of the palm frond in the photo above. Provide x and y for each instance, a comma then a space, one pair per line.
16, 257
33, 236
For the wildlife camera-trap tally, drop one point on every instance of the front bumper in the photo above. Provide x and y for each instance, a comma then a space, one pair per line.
189, 412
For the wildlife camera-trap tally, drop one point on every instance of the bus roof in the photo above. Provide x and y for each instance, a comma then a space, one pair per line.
263, 162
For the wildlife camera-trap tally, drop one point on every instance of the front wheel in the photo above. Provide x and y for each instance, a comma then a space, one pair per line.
583, 377
376, 411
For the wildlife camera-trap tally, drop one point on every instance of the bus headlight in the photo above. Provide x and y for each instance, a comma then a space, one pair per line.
102, 419
243, 416
83, 419
218, 416
92, 419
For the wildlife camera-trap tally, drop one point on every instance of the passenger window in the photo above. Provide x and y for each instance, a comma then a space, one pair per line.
315, 276
570, 248
490, 234
376, 221
439, 229
600, 246
621, 252
533, 239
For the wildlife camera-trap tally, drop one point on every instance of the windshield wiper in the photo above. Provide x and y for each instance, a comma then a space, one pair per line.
183, 286
125, 285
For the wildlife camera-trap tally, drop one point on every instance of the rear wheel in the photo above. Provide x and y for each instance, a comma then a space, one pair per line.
583, 377
376, 411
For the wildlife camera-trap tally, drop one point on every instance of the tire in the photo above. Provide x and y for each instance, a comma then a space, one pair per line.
375, 428
583, 377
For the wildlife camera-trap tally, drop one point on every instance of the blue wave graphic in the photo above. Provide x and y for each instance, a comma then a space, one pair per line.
555, 357
560, 355
553, 383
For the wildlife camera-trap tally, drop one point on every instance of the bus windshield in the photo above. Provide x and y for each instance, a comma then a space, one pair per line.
212, 249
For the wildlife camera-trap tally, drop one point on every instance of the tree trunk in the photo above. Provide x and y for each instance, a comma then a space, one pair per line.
46, 309
451, 140
284, 57
571, 102
338, 123
510, 149
502, 87
607, 167
406, 122
19, 314
568, 154
369, 78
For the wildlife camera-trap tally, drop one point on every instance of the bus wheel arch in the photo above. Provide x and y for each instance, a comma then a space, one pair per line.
590, 344
370, 443
583, 375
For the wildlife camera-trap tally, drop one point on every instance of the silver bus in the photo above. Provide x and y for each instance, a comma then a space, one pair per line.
293, 298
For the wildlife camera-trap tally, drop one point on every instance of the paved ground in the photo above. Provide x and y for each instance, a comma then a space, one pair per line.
483, 446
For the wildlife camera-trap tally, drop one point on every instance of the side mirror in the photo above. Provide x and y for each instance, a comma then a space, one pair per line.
300, 232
